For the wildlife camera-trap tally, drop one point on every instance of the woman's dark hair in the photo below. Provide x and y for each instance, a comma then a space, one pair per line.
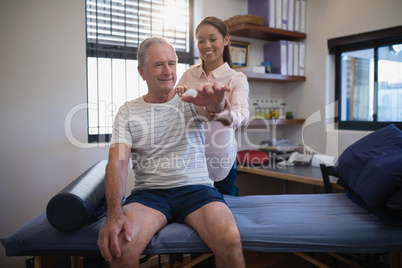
223, 29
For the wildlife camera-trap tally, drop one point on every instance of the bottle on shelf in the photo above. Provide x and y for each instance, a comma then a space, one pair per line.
258, 111
266, 110
276, 110
272, 110
267, 65
282, 111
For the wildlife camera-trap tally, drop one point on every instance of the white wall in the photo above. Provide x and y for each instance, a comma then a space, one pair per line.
325, 20
42, 77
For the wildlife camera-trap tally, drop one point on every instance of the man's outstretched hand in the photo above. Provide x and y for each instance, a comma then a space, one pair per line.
210, 96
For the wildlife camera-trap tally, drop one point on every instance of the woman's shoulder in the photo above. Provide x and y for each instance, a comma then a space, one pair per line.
194, 69
234, 70
190, 75
237, 75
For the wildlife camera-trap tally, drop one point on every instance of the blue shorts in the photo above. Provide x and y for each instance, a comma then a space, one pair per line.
176, 203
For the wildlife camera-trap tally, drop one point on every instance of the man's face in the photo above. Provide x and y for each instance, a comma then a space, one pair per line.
160, 72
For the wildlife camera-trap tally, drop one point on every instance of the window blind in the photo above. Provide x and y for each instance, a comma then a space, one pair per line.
119, 26
114, 29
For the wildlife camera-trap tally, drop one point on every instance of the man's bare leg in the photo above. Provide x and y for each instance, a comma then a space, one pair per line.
145, 222
216, 226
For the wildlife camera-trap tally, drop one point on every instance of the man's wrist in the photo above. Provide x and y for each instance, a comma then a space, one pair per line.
225, 120
229, 120
221, 108
209, 114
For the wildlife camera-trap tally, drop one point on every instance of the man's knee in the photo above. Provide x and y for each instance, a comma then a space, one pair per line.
233, 236
229, 238
230, 253
130, 251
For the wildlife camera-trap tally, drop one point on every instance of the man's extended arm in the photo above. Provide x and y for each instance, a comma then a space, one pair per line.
212, 97
115, 186
225, 117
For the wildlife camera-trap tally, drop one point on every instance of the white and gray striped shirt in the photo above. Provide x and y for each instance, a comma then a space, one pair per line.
167, 140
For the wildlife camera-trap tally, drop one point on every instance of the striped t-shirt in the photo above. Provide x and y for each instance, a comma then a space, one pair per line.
167, 140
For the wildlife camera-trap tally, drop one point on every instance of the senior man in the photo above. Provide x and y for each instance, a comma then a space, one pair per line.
164, 135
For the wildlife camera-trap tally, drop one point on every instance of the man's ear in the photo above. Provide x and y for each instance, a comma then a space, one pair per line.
141, 72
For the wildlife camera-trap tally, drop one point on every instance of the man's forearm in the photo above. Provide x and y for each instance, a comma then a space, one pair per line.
216, 108
211, 97
115, 185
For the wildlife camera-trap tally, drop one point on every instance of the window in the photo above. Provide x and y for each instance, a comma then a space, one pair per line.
368, 79
114, 29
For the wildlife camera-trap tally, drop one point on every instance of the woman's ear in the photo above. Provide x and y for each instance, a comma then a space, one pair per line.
226, 40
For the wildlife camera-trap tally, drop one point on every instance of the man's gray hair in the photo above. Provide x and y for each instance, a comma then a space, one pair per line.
142, 56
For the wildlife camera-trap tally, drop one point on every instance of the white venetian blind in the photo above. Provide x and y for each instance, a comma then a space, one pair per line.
125, 23
115, 28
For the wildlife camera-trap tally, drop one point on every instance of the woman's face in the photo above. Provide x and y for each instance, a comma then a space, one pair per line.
210, 44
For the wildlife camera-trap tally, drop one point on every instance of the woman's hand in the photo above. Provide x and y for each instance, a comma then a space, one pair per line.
225, 117
180, 90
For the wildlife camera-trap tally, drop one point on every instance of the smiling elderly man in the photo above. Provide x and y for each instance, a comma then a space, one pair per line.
162, 125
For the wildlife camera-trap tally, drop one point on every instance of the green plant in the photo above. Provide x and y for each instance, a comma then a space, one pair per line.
289, 115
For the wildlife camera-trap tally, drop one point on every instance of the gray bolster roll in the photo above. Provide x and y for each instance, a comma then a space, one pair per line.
71, 208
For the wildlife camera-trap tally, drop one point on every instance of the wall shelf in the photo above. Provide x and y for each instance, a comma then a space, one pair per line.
269, 34
274, 122
264, 33
273, 77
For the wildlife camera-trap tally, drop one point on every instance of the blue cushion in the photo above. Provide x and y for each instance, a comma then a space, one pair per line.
372, 166
73, 206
